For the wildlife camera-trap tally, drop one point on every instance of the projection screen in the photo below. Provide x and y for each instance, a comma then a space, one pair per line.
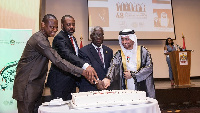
151, 19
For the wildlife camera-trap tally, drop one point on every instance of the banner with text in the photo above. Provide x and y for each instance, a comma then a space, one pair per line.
12, 43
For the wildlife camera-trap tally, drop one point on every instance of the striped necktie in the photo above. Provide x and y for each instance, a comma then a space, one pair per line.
100, 55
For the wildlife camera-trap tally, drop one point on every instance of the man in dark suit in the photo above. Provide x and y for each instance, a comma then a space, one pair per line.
98, 59
61, 83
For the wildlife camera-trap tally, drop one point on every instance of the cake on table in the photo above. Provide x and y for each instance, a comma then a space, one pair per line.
107, 98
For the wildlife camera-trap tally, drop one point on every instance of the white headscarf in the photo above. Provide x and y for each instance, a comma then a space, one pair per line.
132, 54
132, 36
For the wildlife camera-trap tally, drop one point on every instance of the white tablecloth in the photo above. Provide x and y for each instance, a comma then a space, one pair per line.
151, 107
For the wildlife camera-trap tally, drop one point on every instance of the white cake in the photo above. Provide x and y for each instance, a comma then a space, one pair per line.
107, 98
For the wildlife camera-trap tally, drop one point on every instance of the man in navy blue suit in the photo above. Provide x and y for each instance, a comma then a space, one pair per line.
98, 56
61, 83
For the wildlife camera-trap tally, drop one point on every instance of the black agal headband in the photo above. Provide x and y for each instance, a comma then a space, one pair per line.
126, 33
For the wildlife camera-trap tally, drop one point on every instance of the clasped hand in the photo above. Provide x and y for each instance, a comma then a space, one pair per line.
127, 75
104, 84
91, 75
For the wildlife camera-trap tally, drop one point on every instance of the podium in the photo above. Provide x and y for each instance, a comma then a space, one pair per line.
181, 64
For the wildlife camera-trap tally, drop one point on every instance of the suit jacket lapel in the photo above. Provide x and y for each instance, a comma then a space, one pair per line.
95, 54
68, 41
75, 41
105, 52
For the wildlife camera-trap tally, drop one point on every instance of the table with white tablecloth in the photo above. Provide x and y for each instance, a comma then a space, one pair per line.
150, 107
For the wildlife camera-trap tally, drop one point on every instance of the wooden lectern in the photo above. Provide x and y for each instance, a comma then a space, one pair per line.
181, 64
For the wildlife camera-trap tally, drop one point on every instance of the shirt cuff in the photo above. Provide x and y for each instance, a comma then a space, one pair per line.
85, 66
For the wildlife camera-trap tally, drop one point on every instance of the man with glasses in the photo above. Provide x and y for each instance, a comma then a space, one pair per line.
131, 67
98, 56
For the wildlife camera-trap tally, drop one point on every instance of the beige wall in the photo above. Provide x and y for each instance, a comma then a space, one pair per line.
14, 14
186, 17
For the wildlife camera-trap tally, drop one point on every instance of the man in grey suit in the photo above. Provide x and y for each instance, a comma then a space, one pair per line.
33, 66
97, 55
62, 83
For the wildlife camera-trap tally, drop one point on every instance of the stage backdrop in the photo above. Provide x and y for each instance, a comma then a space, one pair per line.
151, 19
12, 43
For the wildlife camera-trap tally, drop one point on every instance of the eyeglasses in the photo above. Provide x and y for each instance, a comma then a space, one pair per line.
98, 35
